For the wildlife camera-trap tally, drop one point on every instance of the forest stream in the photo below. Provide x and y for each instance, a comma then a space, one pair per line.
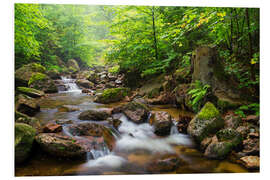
136, 146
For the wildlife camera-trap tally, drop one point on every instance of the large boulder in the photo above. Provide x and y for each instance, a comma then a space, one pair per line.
42, 82
136, 111
61, 146
72, 64
27, 105
24, 137
23, 118
112, 95
23, 74
31, 92
95, 114
83, 83
165, 163
206, 122
162, 122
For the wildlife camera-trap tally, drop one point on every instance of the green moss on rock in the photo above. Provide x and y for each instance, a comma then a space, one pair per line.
229, 135
112, 95
208, 111
24, 137
36, 77
30, 92
206, 122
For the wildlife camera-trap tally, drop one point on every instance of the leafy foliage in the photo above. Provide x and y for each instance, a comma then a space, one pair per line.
198, 94
253, 108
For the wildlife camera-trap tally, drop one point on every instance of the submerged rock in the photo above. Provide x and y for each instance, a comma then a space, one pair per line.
27, 105
95, 114
206, 122
112, 95
162, 122
31, 92
67, 108
24, 137
136, 112
165, 163
61, 146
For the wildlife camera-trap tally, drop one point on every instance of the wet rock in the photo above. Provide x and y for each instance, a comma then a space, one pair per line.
251, 162
136, 112
23, 118
27, 105
165, 163
24, 137
96, 114
162, 122
63, 121
83, 83
93, 130
52, 128
114, 122
183, 123
42, 82
232, 121
23, 74
206, 122
31, 92
112, 95
61, 146
67, 108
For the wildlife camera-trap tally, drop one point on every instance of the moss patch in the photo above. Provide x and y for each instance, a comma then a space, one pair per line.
112, 95
36, 77
209, 111
30, 91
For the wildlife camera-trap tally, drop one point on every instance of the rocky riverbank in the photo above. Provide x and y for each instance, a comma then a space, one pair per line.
217, 131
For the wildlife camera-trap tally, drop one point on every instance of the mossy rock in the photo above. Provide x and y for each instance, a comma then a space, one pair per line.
206, 122
112, 95
218, 150
23, 74
136, 111
42, 82
23, 118
27, 105
229, 135
30, 92
24, 137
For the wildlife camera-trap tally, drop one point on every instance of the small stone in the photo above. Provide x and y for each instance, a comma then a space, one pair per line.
251, 162
52, 128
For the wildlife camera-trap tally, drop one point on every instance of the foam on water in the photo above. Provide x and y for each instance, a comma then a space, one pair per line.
110, 160
141, 136
72, 86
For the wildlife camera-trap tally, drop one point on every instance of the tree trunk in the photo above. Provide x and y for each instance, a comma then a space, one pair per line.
154, 32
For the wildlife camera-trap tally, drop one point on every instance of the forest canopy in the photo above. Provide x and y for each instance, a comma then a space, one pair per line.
142, 40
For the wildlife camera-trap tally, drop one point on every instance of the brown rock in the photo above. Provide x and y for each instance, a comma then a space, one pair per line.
52, 128
251, 162
165, 163
251, 146
183, 123
27, 105
96, 114
162, 122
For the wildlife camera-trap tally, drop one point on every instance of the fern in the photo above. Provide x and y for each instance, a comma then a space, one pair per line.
198, 93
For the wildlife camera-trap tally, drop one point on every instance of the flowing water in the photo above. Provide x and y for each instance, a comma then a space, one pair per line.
136, 144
